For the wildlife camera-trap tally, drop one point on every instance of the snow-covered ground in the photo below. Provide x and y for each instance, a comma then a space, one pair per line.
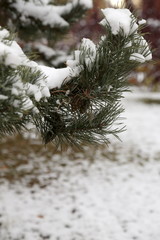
104, 194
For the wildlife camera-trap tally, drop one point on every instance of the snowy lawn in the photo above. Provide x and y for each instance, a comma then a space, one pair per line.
99, 194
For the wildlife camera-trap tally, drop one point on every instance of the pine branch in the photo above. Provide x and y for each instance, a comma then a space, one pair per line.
82, 102
93, 102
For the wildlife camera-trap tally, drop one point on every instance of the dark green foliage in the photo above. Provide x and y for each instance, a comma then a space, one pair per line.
12, 116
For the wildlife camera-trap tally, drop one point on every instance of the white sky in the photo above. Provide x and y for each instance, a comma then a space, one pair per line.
119, 3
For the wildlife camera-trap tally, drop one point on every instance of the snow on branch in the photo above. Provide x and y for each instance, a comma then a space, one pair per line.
46, 13
122, 21
11, 55
119, 21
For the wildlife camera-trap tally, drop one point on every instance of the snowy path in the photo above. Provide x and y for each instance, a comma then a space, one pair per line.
100, 200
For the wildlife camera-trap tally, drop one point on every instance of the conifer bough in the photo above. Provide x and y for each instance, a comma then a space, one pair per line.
80, 103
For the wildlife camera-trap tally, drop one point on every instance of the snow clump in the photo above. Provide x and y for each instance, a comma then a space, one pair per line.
85, 56
119, 20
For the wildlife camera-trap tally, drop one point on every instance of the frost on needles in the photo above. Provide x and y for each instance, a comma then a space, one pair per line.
80, 103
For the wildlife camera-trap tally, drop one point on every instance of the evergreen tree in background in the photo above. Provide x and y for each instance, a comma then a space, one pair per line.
79, 102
